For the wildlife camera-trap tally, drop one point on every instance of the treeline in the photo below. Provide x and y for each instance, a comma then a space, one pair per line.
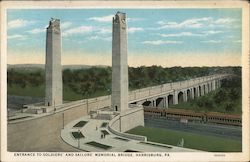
88, 81
25, 78
226, 99
154, 75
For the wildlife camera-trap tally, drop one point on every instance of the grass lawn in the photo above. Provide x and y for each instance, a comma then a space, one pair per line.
80, 124
105, 132
193, 141
104, 125
96, 144
77, 135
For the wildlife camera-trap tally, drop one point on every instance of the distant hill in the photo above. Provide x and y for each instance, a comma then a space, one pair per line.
32, 67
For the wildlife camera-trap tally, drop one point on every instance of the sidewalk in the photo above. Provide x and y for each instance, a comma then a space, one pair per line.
111, 142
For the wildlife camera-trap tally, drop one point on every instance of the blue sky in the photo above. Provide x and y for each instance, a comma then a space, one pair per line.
166, 37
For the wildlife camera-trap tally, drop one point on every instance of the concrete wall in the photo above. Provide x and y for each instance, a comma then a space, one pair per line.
43, 134
132, 119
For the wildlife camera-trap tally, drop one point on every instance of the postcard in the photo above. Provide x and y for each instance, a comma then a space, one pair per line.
124, 81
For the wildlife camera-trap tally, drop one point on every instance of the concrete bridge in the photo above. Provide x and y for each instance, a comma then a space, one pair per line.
31, 133
177, 92
157, 96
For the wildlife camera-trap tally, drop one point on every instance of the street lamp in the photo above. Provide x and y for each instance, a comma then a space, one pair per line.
87, 106
63, 119
79, 138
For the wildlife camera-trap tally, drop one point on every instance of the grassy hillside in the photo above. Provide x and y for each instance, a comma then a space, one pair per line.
191, 140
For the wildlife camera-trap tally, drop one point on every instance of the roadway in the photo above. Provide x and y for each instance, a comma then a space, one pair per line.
224, 131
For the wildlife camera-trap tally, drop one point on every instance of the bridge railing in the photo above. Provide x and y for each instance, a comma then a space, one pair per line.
150, 91
145, 92
168, 87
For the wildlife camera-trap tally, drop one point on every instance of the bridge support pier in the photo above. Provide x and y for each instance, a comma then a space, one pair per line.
202, 90
175, 102
197, 91
207, 88
166, 102
153, 102
185, 96
192, 94
219, 83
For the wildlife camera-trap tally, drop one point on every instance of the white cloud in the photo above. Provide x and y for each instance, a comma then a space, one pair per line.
134, 19
190, 23
133, 30
212, 32
203, 34
223, 21
197, 23
17, 36
18, 23
78, 30
104, 30
181, 34
81, 42
66, 25
237, 41
161, 42
212, 41
36, 31
109, 18
102, 19
161, 22
100, 38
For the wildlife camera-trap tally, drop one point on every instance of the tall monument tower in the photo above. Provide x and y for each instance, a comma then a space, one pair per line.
53, 69
119, 63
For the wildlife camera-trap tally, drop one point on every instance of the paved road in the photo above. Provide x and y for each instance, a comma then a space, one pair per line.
230, 132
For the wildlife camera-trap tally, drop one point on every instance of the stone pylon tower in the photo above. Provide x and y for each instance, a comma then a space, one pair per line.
53, 69
119, 63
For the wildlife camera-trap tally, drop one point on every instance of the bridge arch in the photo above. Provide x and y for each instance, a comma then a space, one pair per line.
195, 92
189, 95
204, 89
147, 103
170, 99
160, 102
200, 94
180, 97
208, 88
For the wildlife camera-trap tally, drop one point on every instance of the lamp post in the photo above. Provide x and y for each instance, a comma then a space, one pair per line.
54, 107
8, 114
78, 139
63, 119
87, 106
